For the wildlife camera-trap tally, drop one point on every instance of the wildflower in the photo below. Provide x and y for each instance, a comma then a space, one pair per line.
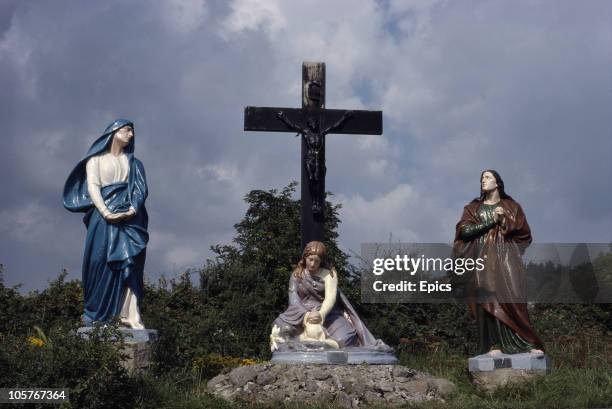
35, 341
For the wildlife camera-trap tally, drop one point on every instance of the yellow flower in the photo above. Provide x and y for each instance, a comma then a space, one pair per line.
37, 342
249, 361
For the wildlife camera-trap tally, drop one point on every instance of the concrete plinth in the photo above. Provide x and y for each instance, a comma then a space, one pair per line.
138, 346
347, 356
489, 372
526, 361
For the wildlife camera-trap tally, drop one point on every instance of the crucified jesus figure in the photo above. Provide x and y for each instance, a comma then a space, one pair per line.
314, 158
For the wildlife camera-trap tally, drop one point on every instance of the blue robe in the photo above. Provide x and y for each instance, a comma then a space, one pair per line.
114, 253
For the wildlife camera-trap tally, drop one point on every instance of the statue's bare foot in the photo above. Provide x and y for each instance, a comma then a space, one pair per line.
494, 352
133, 325
137, 325
536, 351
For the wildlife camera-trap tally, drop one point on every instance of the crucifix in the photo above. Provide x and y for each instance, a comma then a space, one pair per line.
312, 122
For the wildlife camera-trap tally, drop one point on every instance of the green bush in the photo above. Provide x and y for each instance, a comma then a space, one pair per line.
225, 317
90, 368
59, 304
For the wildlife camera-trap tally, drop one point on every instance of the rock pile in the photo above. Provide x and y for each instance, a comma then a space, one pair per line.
351, 386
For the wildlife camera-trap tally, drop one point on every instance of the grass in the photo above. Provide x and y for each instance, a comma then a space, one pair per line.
581, 377
563, 388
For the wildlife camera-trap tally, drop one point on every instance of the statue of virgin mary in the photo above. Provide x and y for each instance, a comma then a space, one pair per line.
110, 187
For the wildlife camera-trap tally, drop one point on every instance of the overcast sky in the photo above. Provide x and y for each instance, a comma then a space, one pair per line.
522, 87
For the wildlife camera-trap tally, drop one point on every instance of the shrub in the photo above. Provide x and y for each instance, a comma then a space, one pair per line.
90, 368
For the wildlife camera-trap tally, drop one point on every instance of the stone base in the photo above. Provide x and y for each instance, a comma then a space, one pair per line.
348, 386
491, 380
336, 357
138, 347
527, 361
490, 372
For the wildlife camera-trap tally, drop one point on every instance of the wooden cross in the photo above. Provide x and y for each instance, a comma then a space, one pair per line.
312, 122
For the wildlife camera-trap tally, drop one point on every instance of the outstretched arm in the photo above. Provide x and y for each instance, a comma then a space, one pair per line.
331, 291
339, 122
280, 115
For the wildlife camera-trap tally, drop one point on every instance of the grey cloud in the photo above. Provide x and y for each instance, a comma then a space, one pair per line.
523, 88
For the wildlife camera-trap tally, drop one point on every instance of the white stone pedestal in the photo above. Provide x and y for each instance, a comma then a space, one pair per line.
488, 372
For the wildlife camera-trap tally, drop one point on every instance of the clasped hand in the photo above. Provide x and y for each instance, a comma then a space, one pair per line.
121, 216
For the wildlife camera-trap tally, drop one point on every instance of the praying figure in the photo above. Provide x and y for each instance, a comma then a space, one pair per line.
494, 228
110, 187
